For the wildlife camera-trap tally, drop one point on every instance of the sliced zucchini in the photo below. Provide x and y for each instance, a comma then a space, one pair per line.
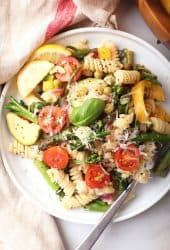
23, 131
87, 89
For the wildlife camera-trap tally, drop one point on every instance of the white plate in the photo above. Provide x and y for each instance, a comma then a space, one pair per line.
30, 181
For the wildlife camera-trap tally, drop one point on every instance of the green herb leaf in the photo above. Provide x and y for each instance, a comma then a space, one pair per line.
120, 183
88, 112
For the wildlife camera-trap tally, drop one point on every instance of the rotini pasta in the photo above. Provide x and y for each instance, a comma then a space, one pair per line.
108, 51
127, 76
106, 66
77, 178
78, 200
109, 79
124, 121
160, 126
63, 180
113, 48
31, 152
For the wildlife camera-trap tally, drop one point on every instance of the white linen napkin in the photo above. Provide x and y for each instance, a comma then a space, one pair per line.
24, 26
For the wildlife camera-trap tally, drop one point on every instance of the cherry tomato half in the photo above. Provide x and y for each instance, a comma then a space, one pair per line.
56, 157
96, 176
69, 64
52, 119
127, 159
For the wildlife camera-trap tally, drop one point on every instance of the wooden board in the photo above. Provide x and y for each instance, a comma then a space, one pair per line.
157, 18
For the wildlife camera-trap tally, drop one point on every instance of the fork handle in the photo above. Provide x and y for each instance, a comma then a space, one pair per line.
94, 234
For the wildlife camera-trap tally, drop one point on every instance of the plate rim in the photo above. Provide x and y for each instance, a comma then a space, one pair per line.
4, 160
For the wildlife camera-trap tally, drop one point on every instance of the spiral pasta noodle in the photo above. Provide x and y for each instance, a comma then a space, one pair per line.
76, 174
106, 47
77, 200
60, 177
31, 152
160, 126
127, 76
105, 66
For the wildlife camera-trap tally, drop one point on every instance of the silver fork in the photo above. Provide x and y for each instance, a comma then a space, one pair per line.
94, 234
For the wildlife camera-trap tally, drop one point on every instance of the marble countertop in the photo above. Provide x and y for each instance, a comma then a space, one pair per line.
151, 229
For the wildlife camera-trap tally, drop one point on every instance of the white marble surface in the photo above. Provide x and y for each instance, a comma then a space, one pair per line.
150, 230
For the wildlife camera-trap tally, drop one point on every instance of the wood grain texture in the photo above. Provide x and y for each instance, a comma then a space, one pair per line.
157, 18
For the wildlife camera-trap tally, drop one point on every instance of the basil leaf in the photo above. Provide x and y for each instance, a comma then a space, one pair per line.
88, 112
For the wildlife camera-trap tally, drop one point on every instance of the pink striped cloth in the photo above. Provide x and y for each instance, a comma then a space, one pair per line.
24, 26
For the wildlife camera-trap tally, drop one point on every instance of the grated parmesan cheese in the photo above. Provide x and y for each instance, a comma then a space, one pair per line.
83, 133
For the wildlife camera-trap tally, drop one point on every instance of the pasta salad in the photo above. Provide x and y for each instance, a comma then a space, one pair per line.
91, 120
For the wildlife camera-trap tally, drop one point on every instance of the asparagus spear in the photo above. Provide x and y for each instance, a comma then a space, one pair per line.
156, 137
43, 170
74, 141
163, 167
20, 110
98, 206
79, 53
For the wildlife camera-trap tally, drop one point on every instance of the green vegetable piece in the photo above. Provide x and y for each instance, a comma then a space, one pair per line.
43, 170
94, 158
79, 53
163, 167
36, 106
73, 141
146, 74
23, 131
20, 110
88, 112
156, 137
129, 55
98, 206
117, 90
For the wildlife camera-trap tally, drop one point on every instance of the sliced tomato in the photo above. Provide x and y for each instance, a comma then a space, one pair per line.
52, 119
127, 159
70, 65
96, 176
56, 157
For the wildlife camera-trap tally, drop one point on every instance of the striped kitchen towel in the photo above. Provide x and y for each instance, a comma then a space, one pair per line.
25, 25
